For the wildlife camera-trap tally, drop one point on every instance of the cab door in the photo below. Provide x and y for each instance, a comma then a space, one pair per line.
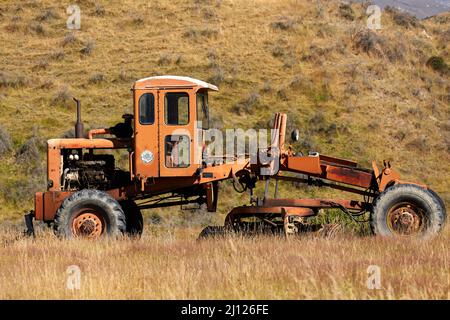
176, 132
146, 158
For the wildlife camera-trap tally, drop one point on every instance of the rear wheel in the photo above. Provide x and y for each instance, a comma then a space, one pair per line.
407, 210
133, 215
89, 214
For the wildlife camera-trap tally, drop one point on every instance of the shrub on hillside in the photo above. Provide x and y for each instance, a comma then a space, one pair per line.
247, 105
319, 124
28, 153
283, 23
99, 10
5, 141
209, 13
21, 191
402, 18
69, 39
12, 27
41, 64
97, 78
164, 59
317, 54
48, 14
377, 45
351, 89
177, 58
267, 86
346, 11
301, 83
369, 42
124, 76
28, 156
205, 32
62, 96
37, 28
438, 64
278, 51
88, 47
137, 19
445, 35
217, 76
419, 144
12, 80
68, 134
282, 50
58, 54
282, 94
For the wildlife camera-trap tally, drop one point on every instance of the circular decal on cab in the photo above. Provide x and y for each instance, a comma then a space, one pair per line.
147, 156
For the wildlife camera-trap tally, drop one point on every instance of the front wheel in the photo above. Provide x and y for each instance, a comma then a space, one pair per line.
407, 210
89, 214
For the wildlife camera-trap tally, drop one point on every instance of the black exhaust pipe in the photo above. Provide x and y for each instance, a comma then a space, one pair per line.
79, 127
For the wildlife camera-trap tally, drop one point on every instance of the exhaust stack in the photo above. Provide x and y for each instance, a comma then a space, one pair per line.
79, 127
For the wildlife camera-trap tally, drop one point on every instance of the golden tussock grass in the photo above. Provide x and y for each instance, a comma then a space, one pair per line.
171, 264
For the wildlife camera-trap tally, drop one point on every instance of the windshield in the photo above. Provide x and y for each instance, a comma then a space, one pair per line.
202, 110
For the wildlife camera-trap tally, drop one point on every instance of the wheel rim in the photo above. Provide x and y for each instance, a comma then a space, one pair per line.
406, 219
88, 224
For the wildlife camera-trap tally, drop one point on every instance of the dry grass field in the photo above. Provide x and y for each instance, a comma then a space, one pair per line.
171, 264
353, 93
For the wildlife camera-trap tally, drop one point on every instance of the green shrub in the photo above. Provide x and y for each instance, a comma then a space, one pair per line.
438, 64
346, 11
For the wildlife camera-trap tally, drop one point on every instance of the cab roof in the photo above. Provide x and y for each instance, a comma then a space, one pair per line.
172, 82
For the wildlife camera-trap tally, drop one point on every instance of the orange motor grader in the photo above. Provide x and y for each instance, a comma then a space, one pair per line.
89, 196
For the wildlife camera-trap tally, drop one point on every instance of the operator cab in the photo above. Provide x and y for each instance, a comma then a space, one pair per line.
170, 117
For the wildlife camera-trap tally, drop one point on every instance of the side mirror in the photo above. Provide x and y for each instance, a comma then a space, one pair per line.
295, 135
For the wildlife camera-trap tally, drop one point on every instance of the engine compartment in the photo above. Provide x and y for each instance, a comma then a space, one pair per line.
89, 171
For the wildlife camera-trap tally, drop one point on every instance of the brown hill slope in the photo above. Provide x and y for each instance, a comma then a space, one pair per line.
352, 92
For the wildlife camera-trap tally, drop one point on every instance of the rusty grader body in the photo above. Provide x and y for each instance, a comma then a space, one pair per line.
164, 144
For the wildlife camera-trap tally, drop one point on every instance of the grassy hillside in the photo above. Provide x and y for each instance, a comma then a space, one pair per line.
352, 92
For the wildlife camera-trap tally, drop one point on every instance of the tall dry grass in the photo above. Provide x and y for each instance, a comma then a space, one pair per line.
171, 264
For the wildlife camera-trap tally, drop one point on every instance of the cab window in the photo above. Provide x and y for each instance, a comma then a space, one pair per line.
177, 151
147, 108
202, 111
176, 108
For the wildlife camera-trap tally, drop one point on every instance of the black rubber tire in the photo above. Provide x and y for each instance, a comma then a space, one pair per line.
429, 201
441, 202
133, 215
212, 232
101, 202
